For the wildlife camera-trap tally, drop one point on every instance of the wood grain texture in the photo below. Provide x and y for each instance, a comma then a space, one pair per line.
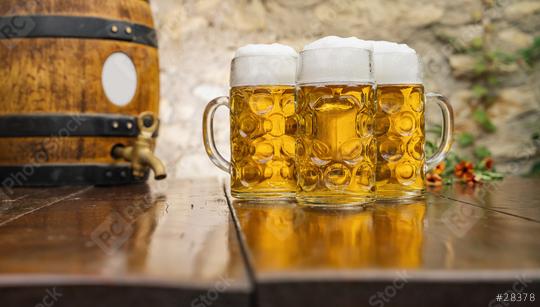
64, 76
512, 196
72, 150
16, 203
176, 241
173, 242
443, 252
135, 11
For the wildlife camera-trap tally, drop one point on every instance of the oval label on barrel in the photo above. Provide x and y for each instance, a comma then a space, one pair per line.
119, 79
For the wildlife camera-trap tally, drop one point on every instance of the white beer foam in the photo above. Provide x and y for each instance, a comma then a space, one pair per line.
385, 47
396, 63
336, 60
339, 42
262, 64
265, 49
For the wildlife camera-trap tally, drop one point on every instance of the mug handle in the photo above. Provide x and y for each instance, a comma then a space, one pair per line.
447, 130
208, 133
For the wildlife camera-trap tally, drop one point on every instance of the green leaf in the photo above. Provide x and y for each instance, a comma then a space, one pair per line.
493, 80
489, 176
502, 57
430, 148
452, 159
477, 43
496, 176
481, 117
480, 67
532, 54
480, 91
535, 170
507, 58
435, 129
448, 180
465, 139
481, 152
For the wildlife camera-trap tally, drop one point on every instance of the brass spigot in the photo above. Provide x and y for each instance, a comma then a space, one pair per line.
141, 155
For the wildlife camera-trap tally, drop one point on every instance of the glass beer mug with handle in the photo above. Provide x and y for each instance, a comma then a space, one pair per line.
335, 147
263, 123
399, 123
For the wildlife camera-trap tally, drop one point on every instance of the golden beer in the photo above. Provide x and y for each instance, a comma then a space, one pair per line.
399, 129
263, 126
336, 149
262, 121
399, 233
399, 123
282, 236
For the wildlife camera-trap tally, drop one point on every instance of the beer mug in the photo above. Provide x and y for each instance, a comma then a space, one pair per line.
263, 123
336, 150
399, 123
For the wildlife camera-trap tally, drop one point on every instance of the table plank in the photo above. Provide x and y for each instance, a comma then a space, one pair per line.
171, 244
518, 196
441, 252
19, 202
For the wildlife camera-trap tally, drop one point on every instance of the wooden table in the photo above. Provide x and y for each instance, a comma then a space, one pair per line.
187, 243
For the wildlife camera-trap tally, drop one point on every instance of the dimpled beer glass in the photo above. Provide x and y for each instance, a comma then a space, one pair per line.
335, 147
263, 123
399, 123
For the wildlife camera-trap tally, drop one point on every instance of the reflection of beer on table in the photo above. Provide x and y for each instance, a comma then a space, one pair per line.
335, 239
283, 236
399, 234
385, 236
270, 234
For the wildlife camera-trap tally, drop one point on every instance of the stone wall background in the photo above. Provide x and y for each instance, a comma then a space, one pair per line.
198, 40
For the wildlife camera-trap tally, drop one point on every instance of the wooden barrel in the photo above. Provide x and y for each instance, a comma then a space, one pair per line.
74, 77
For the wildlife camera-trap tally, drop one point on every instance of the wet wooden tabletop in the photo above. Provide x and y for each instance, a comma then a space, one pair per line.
450, 249
178, 243
172, 244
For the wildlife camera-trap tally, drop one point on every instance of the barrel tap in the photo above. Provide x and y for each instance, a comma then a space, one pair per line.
141, 154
